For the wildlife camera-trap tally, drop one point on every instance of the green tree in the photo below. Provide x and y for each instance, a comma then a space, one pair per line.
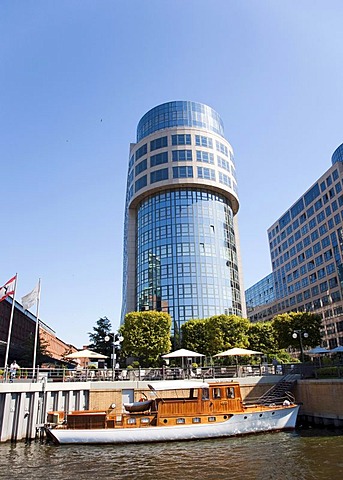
146, 336
215, 334
285, 324
194, 336
226, 331
98, 343
262, 338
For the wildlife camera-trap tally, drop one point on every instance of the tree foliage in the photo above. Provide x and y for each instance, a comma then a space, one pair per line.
215, 334
146, 336
98, 343
262, 338
285, 324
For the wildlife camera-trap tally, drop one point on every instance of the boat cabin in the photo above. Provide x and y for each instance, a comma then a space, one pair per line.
170, 403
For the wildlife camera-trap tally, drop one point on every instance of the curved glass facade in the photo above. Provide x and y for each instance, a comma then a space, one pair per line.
180, 114
337, 155
186, 260
181, 245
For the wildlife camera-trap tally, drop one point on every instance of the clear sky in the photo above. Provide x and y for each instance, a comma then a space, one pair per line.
76, 76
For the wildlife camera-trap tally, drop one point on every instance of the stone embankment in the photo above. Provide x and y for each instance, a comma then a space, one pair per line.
24, 406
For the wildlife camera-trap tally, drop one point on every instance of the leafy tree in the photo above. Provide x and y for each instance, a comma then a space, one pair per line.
146, 336
227, 331
262, 338
285, 324
194, 336
215, 334
101, 330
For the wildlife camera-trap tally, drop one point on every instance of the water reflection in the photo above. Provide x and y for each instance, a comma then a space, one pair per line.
301, 455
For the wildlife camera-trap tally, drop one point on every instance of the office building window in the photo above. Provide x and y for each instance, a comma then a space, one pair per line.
182, 139
181, 155
182, 172
158, 143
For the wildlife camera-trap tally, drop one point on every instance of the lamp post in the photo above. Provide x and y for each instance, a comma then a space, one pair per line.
116, 341
300, 334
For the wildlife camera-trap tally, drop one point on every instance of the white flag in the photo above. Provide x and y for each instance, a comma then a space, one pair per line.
31, 298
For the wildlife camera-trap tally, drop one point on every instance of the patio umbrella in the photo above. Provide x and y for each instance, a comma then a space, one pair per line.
338, 349
86, 354
182, 353
318, 351
237, 351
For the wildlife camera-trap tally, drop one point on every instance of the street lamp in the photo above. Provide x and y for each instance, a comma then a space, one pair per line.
116, 341
300, 334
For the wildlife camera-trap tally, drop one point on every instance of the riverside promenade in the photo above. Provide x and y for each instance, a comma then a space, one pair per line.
24, 405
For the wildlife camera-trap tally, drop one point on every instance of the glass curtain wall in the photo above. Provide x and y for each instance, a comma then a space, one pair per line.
186, 255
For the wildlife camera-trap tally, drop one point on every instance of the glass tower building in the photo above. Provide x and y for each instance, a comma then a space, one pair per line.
181, 243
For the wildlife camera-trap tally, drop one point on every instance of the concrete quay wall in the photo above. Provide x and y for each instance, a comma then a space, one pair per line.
24, 406
321, 401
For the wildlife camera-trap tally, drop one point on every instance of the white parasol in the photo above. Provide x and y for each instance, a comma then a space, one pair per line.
85, 354
232, 352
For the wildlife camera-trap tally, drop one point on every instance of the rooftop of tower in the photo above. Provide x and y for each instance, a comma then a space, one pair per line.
180, 114
337, 155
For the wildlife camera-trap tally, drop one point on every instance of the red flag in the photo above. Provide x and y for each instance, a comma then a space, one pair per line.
8, 288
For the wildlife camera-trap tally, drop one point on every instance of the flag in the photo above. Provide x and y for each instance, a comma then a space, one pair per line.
31, 298
8, 288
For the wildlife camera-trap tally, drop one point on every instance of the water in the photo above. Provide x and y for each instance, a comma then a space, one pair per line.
304, 454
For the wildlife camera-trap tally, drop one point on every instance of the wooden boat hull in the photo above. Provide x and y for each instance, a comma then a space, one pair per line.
272, 419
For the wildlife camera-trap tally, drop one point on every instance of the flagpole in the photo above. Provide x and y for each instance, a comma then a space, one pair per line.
10, 325
36, 334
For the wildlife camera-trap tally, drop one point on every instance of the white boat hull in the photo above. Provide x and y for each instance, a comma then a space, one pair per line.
238, 424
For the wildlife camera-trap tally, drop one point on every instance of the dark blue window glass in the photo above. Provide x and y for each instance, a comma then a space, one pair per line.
181, 113
181, 139
312, 194
159, 175
140, 167
158, 143
182, 172
158, 159
140, 183
141, 151
181, 155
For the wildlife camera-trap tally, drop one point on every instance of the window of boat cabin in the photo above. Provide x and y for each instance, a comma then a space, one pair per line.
216, 392
193, 393
205, 394
230, 392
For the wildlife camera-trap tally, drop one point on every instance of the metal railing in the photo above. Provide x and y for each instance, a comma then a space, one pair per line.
164, 373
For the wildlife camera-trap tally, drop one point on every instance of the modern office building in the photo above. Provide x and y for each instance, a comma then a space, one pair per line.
306, 248
181, 243
261, 293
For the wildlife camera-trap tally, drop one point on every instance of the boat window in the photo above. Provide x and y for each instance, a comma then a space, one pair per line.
212, 419
131, 421
205, 394
216, 393
145, 420
193, 393
196, 420
180, 420
230, 392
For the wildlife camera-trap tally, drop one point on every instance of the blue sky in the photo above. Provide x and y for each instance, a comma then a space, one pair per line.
77, 75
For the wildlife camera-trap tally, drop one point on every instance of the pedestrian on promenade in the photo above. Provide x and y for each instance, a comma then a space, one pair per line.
13, 370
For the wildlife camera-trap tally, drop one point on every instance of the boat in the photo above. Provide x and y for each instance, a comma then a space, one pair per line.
177, 410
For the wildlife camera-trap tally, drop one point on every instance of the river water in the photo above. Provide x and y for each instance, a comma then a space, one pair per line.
303, 454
